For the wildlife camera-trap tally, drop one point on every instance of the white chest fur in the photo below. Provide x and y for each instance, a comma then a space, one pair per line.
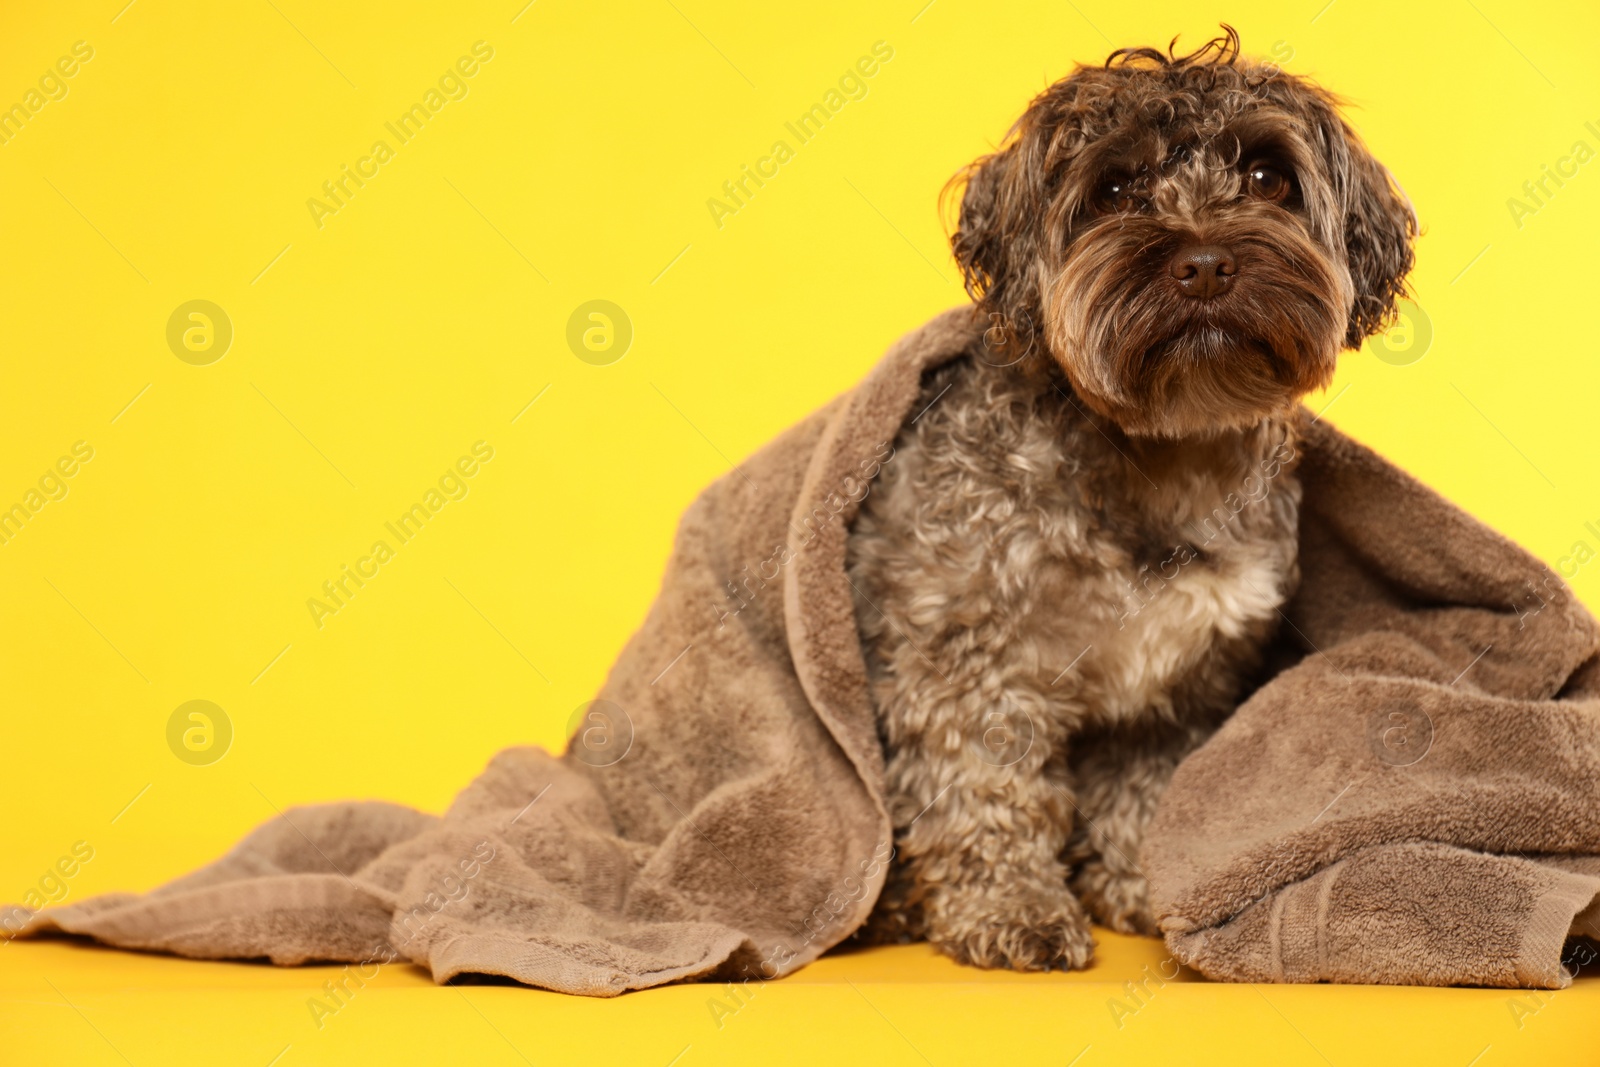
1203, 603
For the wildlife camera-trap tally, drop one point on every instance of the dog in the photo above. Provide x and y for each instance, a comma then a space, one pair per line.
1070, 573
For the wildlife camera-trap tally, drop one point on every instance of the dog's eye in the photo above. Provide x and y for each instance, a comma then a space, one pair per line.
1118, 197
1268, 182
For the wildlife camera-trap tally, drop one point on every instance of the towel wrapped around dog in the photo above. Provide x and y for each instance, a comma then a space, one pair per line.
1417, 800
1413, 797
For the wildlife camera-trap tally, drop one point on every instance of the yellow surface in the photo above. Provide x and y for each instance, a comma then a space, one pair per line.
372, 347
63, 1003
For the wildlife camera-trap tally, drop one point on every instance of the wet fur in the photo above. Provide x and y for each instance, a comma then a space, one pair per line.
1066, 578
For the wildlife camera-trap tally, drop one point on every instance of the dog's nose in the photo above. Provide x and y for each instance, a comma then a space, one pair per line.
1203, 271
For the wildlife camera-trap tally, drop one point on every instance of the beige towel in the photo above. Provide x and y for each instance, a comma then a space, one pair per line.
720, 811
1418, 799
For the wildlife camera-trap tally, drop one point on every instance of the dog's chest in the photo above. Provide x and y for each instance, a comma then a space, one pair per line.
1012, 545
1173, 635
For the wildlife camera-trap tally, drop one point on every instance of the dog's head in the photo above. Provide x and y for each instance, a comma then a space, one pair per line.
1193, 239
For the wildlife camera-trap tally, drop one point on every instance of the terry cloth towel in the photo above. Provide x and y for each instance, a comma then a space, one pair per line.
1412, 798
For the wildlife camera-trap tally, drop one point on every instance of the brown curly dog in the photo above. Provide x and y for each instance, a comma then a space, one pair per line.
1067, 577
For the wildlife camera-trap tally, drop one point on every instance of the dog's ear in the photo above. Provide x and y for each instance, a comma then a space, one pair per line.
1379, 227
996, 241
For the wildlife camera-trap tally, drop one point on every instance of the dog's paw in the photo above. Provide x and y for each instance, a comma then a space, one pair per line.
1119, 900
1032, 929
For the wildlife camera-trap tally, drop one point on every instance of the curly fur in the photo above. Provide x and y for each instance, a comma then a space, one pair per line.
1068, 576
1319, 276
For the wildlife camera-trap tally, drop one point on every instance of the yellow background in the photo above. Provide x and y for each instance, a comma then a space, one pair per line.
368, 354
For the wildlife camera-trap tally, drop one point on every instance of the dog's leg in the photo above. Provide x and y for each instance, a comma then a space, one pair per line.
1118, 782
982, 828
897, 916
